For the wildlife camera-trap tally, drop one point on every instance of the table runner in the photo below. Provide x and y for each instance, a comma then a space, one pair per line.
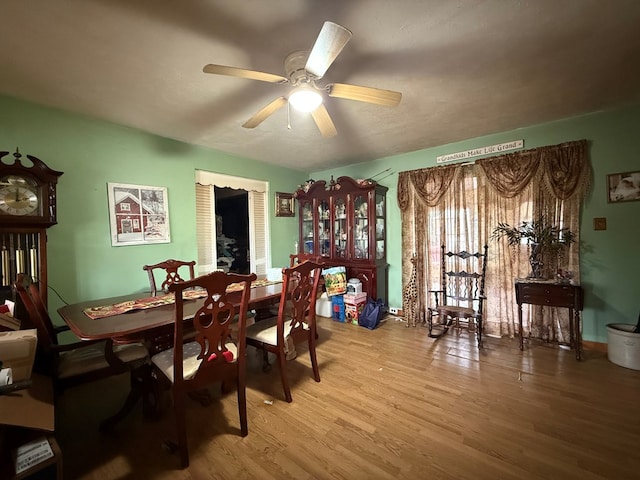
103, 311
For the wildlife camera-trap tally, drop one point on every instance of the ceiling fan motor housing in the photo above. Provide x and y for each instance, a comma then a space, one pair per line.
294, 67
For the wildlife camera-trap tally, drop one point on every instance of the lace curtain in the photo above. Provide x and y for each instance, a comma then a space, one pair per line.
459, 206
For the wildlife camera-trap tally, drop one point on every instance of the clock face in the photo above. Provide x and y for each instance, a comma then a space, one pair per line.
19, 196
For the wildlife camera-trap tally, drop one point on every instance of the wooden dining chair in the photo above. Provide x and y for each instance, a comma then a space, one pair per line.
214, 355
76, 363
171, 271
295, 323
296, 258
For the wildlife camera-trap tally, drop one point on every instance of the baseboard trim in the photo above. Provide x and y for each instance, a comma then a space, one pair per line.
595, 346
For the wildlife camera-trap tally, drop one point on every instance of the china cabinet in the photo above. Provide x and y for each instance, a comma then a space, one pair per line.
344, 222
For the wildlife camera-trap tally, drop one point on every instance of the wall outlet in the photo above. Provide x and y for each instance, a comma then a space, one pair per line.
393, 310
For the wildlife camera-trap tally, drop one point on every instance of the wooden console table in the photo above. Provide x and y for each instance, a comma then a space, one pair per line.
552, 294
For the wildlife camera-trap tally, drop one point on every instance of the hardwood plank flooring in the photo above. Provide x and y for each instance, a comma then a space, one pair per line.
392, 404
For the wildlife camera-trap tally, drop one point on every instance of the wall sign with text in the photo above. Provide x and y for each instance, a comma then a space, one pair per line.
478, 152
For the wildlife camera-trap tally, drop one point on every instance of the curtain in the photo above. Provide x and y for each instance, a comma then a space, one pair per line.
459, 206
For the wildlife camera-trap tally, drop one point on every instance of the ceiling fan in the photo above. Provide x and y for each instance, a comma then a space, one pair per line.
303, 70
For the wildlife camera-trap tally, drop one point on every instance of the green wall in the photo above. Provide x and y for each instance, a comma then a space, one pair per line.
82, 263
610, 259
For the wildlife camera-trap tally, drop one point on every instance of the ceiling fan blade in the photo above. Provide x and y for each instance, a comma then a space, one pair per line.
262, 115
388, 98
324, 122
243, 73
330, 42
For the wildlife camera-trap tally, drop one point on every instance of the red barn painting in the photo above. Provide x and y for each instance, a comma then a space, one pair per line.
138, 214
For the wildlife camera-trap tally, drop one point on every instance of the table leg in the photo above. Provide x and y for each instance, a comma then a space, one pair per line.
521, 329
578, 335
140, 389
572, 338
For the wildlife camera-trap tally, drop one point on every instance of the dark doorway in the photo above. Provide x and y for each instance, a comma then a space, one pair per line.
232, 229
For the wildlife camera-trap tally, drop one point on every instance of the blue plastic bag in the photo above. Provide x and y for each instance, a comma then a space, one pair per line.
372, 313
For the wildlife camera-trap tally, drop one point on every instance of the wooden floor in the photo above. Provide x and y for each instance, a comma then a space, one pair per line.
392, 404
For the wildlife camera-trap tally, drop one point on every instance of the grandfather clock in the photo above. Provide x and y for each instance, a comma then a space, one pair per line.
27, 209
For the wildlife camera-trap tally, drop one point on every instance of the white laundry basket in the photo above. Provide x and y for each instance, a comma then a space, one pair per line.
623, 345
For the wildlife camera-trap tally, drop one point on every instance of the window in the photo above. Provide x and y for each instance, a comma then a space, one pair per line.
259, 246
462, 204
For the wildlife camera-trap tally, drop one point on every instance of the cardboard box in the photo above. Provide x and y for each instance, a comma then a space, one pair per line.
353, 311
26, 415
7, 322
30, 408
337, 308
18, 351
355, 298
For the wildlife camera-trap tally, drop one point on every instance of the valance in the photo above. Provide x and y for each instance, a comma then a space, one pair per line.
563, 169
227, 181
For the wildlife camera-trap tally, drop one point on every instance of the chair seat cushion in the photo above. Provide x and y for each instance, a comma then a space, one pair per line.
264, 331
190, 360
454, 311
91, 358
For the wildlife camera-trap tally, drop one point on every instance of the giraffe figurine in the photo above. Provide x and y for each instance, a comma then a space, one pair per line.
410, 296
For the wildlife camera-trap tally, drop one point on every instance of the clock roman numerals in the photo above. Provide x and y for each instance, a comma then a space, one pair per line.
18, 200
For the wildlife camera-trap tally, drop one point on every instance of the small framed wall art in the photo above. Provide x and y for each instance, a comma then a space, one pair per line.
623, 187
284, 204
138, 214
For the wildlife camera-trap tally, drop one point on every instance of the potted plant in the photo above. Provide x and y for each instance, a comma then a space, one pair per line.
543, 240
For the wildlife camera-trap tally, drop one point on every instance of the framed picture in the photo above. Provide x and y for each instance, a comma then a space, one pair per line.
623, 187
138, 214
284, 204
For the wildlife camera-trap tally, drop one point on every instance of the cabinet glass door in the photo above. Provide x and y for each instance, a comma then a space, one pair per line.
340, 227
361, 227
324, 228
380, 227
306, 228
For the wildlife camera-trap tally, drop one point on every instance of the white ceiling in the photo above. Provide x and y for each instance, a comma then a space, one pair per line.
465, 68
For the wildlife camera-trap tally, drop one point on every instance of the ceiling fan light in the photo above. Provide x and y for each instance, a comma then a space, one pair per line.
305, 99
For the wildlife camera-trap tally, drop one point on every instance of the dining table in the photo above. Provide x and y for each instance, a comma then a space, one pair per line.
152, 326
139, 323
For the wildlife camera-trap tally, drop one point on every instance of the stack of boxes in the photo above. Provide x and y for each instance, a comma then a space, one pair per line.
347, 307
353, 305
354, 300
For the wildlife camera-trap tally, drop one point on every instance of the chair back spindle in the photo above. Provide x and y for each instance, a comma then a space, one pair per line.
171, 273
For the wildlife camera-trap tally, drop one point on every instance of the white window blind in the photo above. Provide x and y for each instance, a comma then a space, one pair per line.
206, 229
258, 237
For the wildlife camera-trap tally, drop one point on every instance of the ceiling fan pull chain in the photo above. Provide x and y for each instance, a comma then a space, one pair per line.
288, 116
